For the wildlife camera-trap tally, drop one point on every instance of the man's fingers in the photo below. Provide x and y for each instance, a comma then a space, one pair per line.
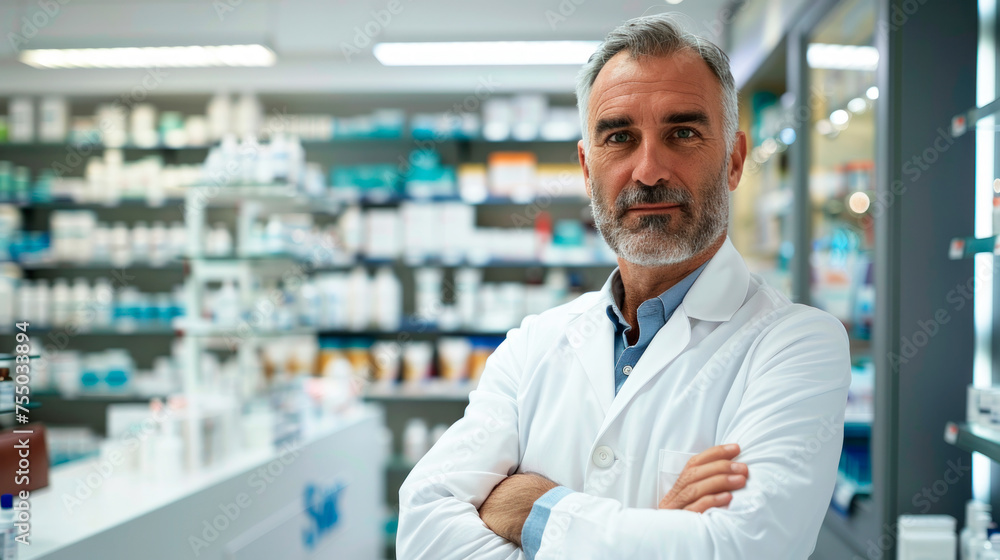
714, 485
696, 491
718, 453
708, 502
701, 472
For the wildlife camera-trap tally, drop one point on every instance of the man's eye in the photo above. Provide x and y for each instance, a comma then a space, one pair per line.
619, 137
685, 133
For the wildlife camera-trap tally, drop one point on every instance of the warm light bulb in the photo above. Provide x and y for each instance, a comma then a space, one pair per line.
859, 202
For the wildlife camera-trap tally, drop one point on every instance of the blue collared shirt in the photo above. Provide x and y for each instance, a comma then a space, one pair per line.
651, 316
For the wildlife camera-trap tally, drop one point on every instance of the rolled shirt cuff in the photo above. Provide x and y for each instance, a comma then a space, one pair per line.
534, 526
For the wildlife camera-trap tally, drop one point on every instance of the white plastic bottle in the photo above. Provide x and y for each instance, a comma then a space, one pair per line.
993, 552
978, 537
9, 297
25, 303
388, 300
227, 305
104, 296
60, 302
7, 530
42, 304
972, 509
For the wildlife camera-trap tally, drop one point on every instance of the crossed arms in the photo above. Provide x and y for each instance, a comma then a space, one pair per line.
448, 508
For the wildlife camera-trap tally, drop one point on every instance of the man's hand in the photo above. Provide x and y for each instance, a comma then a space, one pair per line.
707, 480
509, 504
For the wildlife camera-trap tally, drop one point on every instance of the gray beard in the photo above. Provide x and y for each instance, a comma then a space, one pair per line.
651, 243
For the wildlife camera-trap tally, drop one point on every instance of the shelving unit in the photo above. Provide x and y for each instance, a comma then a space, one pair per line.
437, 403
428, 392
974, 439
968, 247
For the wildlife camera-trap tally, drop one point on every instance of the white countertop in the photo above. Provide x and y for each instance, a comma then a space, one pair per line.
124, 496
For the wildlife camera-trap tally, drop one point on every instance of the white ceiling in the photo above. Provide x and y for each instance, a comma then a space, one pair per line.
311, 38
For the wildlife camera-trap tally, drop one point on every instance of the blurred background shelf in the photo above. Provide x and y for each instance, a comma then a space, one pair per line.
974, 439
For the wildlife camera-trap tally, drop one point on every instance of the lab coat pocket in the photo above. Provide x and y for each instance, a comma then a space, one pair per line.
670, 467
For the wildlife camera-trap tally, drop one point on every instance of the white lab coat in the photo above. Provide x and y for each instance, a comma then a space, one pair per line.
736, 363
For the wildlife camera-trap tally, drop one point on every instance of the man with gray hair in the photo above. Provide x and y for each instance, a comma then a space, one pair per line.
687, 410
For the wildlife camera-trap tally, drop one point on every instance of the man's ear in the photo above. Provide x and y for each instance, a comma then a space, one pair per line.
736, 160
582, 153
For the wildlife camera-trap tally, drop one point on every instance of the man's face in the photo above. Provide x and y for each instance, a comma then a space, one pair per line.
657, 170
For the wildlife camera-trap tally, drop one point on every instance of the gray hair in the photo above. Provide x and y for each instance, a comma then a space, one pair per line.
659, 35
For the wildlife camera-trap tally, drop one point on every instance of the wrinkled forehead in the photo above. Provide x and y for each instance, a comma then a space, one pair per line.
682, 77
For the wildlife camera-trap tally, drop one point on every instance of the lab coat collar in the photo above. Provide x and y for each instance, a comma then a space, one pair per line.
715, 296
722, 287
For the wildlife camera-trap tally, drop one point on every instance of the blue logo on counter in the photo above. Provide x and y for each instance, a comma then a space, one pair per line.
321, 507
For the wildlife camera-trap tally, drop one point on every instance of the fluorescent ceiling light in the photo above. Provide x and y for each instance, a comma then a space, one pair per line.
151, 57
486, 53
842, 57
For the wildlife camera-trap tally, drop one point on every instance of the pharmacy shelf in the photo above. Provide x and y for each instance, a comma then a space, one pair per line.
12, 357
276, 196
857, 429
379, 202
499, 263
963, 122
170, 265
70, 204
405, 263
339, 143
967, 247
94, 146
238, 331
431, 391
139, 330
974, 439
333, 202
397, 464
56, 397
409, 332
365, 202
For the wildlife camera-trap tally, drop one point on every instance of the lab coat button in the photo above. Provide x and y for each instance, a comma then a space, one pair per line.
627, 370
604, 457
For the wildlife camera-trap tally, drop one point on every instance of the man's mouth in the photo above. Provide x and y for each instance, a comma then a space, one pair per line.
653, 208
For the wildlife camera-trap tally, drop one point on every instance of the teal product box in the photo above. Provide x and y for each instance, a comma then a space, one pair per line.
368, 182
427, 178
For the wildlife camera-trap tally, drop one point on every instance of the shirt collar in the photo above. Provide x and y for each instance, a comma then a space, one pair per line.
669, 300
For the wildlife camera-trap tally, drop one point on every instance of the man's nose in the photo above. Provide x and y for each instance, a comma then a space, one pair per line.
652, 163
